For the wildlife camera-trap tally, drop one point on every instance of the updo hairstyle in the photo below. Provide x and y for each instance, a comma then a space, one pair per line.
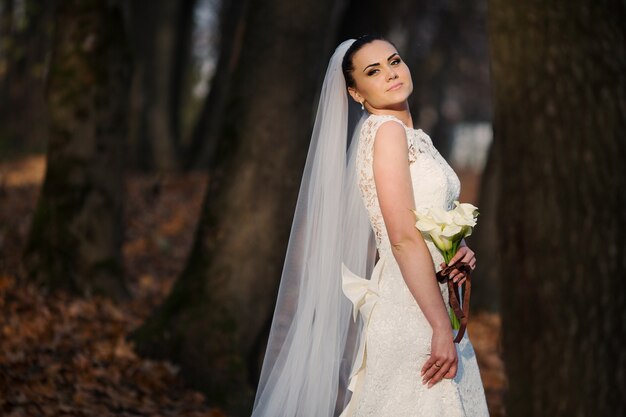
346, 65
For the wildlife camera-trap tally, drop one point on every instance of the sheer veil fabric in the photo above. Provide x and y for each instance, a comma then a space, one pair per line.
313, 339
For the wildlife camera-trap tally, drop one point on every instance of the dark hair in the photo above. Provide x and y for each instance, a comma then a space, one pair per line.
346, 65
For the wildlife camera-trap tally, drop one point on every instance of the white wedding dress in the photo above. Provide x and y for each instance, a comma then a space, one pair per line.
396, 337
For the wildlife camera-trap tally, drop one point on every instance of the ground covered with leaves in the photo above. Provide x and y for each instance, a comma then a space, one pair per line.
62, 355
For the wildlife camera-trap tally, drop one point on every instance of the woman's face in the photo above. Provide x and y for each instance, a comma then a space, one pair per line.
381, 77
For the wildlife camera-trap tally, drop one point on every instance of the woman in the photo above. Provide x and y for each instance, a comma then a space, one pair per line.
401, 359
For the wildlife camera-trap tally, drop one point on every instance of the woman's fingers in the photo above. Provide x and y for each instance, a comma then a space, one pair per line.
434, 371
440, 373
458, 255
438, 376
427, 365
431, 367
466, 255
469, 255
451, 372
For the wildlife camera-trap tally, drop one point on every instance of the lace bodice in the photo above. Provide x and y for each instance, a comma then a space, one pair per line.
434, 182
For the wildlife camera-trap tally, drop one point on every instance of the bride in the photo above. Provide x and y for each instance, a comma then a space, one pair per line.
353, 220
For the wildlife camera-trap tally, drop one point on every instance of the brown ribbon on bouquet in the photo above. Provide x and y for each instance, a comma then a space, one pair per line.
453, 294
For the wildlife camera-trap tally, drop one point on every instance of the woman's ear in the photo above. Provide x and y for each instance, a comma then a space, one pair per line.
355, 95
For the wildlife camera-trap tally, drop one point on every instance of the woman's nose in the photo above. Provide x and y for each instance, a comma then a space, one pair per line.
392, 75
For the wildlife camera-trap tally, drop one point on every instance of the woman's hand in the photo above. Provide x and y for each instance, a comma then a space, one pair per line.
464, 254
443, 358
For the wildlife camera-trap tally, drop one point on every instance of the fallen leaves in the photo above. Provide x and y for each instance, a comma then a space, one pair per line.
484, 331
67, 356
63, 356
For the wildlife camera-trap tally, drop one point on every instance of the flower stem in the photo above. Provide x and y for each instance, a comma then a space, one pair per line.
447, 257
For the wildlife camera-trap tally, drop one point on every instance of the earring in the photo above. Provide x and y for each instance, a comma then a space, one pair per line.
362, 106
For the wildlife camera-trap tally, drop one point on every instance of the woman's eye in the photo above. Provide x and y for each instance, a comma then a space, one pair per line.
372, 72
396, 61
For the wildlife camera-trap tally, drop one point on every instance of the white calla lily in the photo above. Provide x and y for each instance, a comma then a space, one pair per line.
441, 242
440, 216
426, 225
446, 229
462, 220
466, 211
450, 230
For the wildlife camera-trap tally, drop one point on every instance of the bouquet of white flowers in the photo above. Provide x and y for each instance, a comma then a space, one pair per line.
446, 229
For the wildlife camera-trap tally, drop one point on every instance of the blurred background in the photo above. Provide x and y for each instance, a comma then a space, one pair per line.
150, 159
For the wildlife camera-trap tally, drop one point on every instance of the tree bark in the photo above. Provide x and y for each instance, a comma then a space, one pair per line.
559, 72
180, 63
487, 285
201, 151
23, 52
152, 143
76, 234
213, 320
370, 17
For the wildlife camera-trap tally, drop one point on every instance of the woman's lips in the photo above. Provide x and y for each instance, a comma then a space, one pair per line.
395, 87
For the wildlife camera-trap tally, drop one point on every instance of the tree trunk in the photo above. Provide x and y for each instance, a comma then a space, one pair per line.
76, 234
23, 51
370, 17
486, 287
152, 142
559, 71
201, 151
213, 321
179, 83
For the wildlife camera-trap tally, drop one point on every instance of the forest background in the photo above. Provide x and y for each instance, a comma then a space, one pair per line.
150, 158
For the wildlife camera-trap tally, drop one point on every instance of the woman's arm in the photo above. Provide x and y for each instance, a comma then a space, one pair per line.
395, 196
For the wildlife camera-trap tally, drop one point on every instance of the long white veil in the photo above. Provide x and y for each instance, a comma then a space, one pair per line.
313, 339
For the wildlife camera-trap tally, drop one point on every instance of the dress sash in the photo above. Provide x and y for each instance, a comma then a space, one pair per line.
364, 295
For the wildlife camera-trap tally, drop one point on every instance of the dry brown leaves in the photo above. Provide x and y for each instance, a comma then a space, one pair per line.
67, 356
62, 356
484, 330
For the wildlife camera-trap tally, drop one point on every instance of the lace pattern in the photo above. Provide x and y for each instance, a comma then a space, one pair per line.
433, 179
